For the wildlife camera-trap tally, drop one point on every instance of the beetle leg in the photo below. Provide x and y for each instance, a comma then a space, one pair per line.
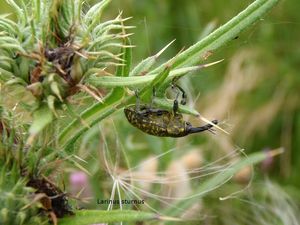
191, 130
183, 95
175, 106
158, 112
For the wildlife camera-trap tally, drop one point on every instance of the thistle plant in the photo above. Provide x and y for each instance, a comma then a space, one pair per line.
60, 50
53, 48
17, 205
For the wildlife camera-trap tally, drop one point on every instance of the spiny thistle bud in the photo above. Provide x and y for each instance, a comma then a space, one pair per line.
54, 46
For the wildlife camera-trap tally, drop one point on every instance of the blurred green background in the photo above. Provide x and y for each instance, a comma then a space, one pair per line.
255, 91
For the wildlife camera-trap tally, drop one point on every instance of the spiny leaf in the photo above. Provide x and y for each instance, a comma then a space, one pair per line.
141, 81
144, 66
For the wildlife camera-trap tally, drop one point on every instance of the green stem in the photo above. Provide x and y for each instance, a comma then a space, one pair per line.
86, 217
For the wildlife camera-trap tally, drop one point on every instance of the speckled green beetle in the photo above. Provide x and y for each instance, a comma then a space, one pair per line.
160, 122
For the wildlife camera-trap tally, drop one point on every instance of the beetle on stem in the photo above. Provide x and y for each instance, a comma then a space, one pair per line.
160, 122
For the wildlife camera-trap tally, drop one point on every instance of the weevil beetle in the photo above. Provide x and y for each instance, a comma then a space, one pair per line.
160, 122
164, 123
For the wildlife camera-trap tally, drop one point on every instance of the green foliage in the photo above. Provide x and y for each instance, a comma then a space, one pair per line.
16, 205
